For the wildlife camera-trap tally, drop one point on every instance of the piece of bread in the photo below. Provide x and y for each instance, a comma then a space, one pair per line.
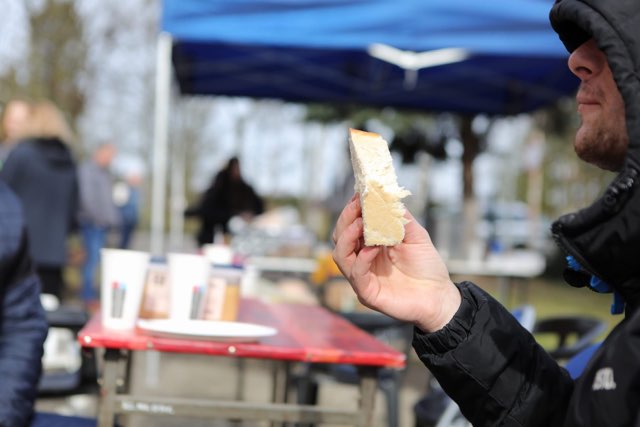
380, 194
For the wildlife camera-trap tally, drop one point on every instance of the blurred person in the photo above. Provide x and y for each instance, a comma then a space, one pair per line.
13, 123
41, 170
481, 356
23, 326
227, 196
126, 196
97, 213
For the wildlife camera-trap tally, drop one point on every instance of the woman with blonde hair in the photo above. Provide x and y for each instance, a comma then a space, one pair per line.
41, 170
13, 122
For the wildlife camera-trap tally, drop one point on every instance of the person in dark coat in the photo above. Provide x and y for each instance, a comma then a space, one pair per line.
41, 171
227, 196
481, 356
23, 326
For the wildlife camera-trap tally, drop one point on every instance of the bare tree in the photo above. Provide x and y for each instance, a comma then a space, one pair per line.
55, 60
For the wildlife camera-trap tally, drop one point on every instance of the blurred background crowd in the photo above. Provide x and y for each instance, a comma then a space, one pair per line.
63, 196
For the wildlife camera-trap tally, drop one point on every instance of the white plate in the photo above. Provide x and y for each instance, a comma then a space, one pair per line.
206, 330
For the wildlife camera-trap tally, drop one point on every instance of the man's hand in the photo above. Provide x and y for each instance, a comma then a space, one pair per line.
408, 281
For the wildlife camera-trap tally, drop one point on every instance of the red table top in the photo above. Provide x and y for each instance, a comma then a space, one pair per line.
306, 333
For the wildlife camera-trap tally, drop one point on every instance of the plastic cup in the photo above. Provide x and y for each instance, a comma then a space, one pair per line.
157, 291
188, 274
123, 274
223, 293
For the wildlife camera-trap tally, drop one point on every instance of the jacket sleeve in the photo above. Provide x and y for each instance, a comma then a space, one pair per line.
10, 170
23, 329
493, 368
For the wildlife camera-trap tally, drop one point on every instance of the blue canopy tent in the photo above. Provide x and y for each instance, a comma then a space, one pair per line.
321, 50
499, 57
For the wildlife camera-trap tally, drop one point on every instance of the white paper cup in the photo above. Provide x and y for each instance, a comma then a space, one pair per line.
188, 275
123, 274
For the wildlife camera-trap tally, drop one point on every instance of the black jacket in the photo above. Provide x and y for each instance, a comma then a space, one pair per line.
224, 199
23, 326
43, 175
489, 364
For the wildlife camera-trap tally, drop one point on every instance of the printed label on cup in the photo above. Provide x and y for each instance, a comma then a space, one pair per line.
188, 275
155, 302
197, 302
215, 298
223, 296
118, 292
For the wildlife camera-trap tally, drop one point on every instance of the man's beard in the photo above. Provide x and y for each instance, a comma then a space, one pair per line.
603, 141
604, 146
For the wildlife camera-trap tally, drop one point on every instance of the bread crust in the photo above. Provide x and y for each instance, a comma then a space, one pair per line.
376, 183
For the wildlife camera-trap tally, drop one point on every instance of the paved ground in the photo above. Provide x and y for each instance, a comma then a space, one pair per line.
160, 374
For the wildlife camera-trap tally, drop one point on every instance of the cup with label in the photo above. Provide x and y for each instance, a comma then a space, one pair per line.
157, 291
188, 275
123, 273
223, 293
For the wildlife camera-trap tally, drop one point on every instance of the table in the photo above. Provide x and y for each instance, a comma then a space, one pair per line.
507, 267
323, 337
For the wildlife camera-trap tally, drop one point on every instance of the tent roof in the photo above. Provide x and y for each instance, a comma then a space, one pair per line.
317, 51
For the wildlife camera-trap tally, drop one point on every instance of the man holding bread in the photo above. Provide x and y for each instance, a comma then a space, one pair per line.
482, 357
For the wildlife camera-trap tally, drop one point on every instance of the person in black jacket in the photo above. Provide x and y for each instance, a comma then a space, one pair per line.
227, 196
482, 357
23, 326
41, 171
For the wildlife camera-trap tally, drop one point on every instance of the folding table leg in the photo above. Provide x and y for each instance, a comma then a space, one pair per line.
241, 365
242, 368
112, 362
368, 388
280, 374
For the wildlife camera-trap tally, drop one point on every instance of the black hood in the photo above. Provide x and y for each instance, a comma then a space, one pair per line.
55, 152
605, 237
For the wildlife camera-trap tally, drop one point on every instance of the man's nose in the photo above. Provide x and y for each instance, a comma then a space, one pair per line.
587, 60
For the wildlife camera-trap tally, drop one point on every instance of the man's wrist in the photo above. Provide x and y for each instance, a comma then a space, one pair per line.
449, 305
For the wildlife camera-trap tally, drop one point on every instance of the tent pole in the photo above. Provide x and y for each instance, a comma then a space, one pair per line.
160, 143
177, 185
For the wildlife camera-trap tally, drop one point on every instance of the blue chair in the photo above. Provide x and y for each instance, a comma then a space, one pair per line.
525, 315
577, 363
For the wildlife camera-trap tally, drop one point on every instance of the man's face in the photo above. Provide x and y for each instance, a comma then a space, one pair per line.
602, 137
105, 154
